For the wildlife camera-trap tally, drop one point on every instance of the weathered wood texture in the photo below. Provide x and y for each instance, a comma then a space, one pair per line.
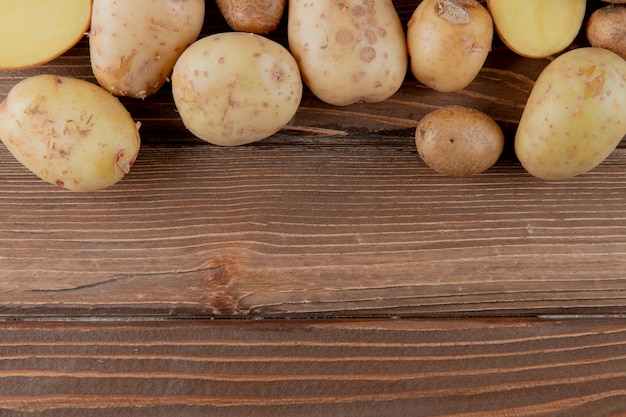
334, 215
330, 368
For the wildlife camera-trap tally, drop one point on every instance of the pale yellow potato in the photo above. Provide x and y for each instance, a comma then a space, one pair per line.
574, 116
236, 88
448, 42
348, 51
69, 132
537, 28
33, 32
134, 44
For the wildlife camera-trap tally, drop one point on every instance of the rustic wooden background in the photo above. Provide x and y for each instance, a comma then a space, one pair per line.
325, 270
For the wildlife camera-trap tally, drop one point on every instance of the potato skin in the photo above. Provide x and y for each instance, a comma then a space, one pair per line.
134, 44
574, 116
69, 132
255, 16
348, 51
448, 42
606, 28
236, 88
459, 141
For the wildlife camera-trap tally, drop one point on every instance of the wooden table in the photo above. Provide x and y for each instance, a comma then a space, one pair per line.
323, 271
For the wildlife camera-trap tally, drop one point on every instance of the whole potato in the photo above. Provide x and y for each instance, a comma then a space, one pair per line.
256, 16
574, 116
348, 51
459, 141
35, 32
537, 28
606, 28
448, 42
69, 132
236, 88
134, 44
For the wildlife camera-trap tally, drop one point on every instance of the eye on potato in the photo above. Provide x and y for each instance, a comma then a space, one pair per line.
69, 132
37, 31
236, 88
448, 42
459, 141
134, 44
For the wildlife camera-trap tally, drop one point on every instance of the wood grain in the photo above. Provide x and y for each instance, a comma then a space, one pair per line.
335, 215
345, 368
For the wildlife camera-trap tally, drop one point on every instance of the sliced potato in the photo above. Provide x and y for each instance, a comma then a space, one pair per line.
33, 32
537, 28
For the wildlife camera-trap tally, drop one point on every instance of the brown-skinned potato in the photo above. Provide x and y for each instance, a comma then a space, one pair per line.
606, 28
459, 141
255, 16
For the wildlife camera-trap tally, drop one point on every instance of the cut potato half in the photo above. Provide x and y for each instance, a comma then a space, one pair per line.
33, 32
537, 28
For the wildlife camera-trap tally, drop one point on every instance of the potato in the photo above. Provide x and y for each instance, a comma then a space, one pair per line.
256, 16
606, 28
69, 132
348, 51
537, 28
236, 88
134, 44
574, 116
37, 31
448, 42
459, 141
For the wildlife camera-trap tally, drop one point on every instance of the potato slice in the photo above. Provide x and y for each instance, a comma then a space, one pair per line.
33, 32
537, 28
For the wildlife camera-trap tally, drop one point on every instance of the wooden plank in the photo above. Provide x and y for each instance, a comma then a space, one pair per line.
343, 368
357, 231
334, 215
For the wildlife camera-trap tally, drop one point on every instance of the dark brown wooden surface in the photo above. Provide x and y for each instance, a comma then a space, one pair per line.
143, 299
315, 368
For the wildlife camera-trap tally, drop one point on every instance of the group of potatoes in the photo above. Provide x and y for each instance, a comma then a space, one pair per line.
238, 87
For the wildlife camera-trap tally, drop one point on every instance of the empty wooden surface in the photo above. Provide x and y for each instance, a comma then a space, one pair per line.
315, 368
325, 270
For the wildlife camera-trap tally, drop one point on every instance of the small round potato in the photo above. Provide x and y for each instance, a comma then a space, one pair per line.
606, 28
459, 141
235, 88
